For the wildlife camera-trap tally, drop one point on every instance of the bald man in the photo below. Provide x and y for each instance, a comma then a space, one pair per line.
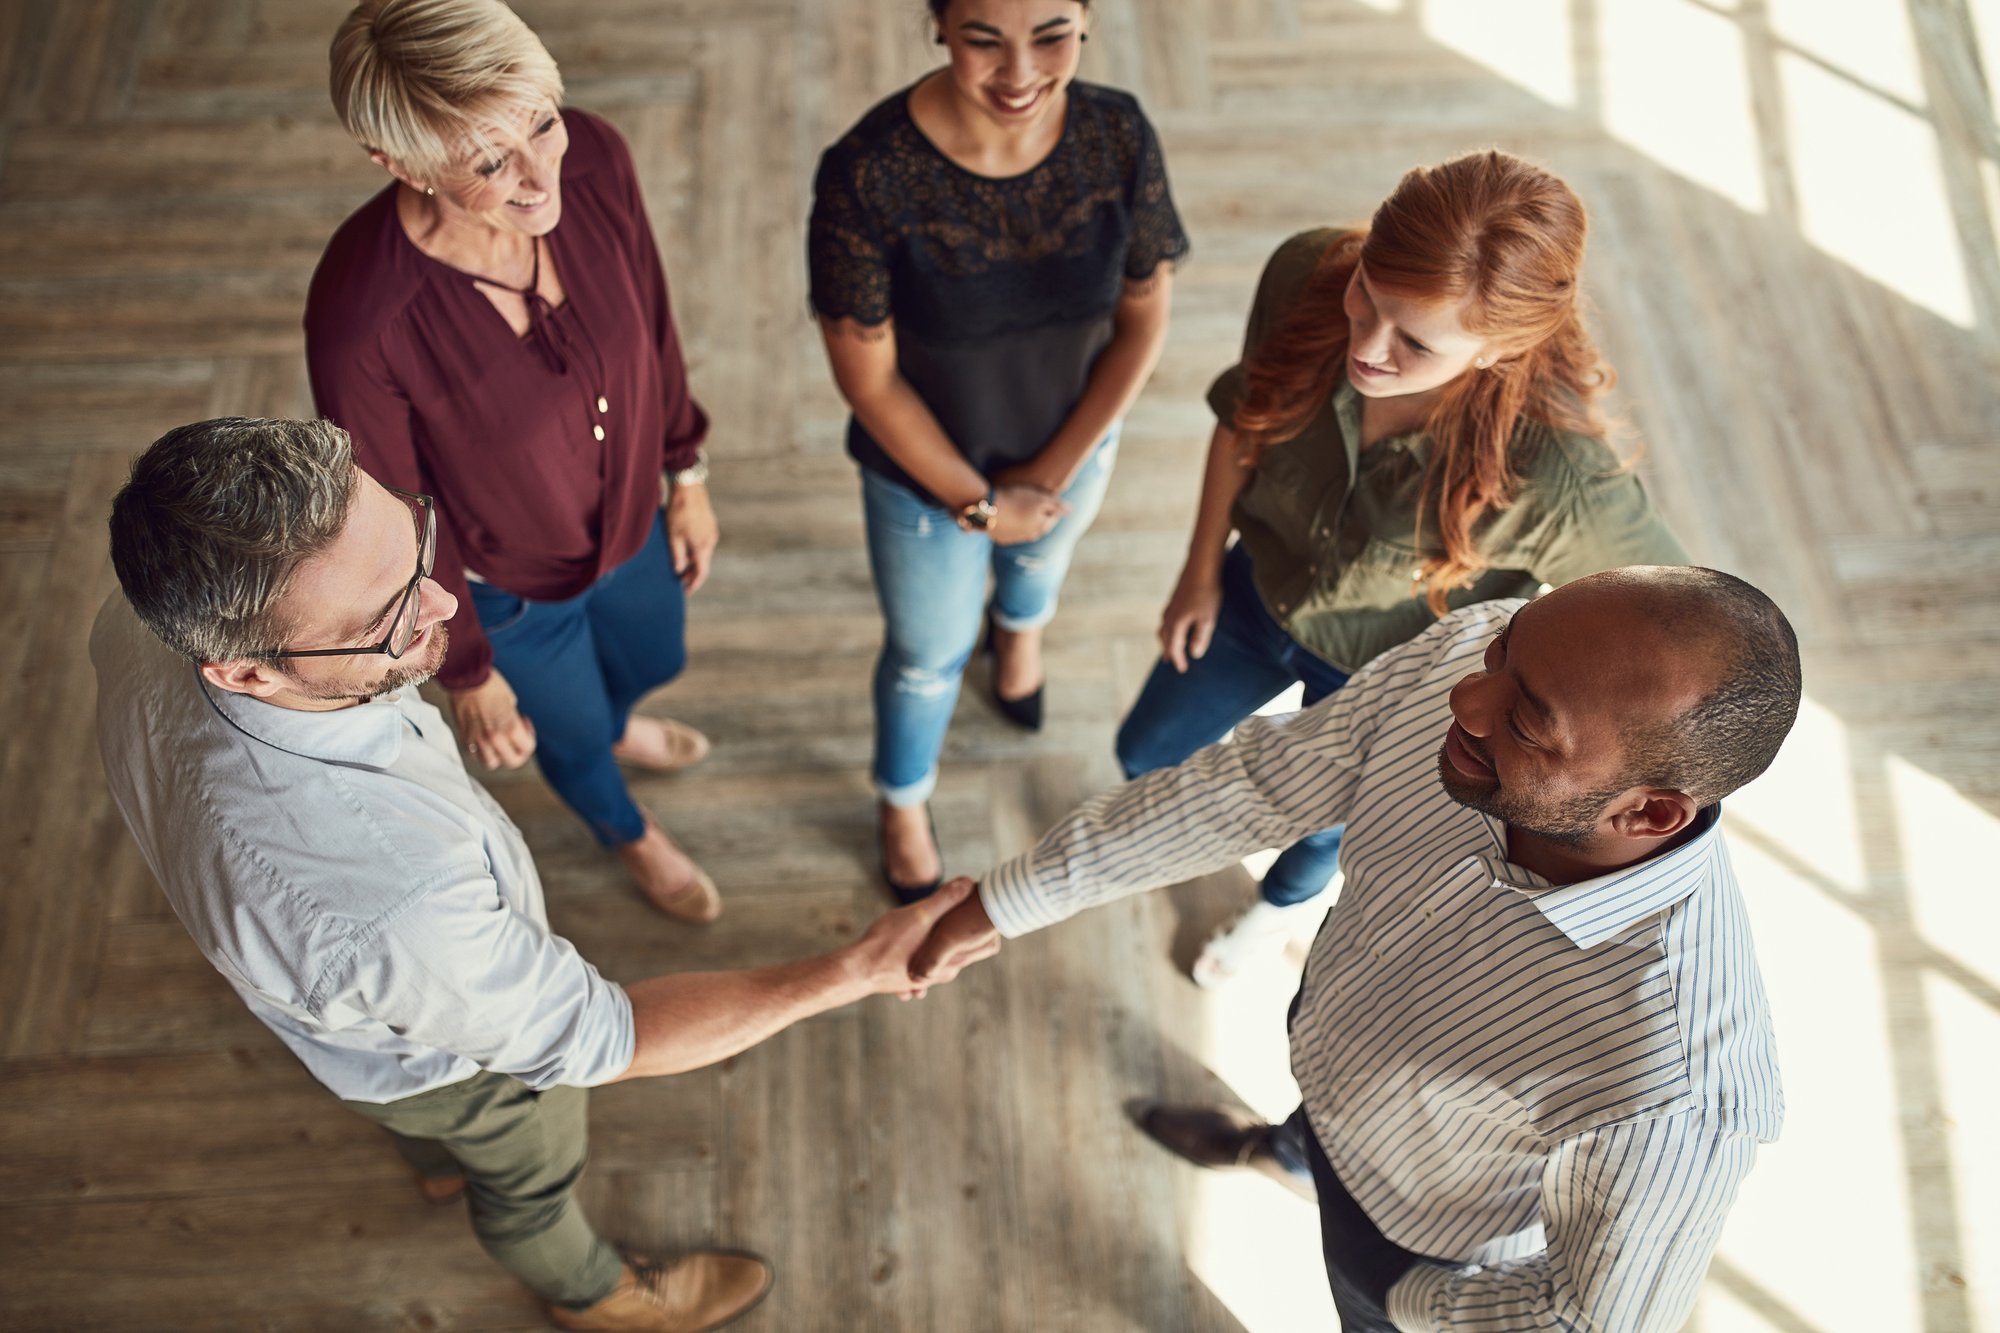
1532, 1041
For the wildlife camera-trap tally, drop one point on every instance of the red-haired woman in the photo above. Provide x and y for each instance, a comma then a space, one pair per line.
1412, 427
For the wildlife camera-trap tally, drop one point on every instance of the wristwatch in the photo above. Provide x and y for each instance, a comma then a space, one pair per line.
693, 475
980, 515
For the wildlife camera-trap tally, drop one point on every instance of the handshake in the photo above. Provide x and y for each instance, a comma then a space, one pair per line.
928, 943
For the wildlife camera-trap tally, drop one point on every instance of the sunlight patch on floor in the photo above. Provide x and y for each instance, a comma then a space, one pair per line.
1795, 805
1257, 1248
1676, 88
1833, 1184
1948, 846
1968, 1033
1870, 39
1871, 190
1532, 46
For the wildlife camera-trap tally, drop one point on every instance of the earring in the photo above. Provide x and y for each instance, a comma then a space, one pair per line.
1083, 37
1481, 363
430, 189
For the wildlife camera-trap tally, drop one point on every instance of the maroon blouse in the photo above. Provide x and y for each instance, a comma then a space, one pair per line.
441, 396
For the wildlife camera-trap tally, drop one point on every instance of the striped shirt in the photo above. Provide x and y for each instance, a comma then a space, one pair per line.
1554, 1090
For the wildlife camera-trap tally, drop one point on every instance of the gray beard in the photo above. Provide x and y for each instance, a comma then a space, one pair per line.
413, 673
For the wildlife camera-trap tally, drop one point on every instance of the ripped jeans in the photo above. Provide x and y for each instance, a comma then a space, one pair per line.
930, 577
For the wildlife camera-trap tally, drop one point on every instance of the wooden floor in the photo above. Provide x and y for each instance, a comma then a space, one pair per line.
1814, 375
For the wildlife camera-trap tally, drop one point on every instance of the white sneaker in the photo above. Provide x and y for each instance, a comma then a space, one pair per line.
1254, 940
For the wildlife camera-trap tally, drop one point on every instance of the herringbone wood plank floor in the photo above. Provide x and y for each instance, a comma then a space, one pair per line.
168, 172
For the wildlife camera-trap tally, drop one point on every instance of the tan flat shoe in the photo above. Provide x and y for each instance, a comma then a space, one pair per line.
661, 869
693, 1294
660, 745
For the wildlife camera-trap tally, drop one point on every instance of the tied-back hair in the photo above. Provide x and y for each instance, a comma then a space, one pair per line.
1506, 238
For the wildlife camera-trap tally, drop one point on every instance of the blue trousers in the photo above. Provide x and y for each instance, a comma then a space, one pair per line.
930, 577
579, 666
1250, 661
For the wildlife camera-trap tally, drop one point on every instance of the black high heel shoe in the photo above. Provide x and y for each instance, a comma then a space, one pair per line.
1025, 712
909, 893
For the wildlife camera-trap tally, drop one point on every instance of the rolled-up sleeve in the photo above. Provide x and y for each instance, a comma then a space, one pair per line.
460, 970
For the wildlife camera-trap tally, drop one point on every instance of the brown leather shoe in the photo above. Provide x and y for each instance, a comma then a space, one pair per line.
660, 744
440, 1189
1222, 1139
692, 1294
669, 879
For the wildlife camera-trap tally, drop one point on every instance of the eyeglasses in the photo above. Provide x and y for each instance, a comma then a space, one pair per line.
403, 628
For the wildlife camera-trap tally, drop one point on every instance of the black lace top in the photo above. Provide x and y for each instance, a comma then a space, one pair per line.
1003, 290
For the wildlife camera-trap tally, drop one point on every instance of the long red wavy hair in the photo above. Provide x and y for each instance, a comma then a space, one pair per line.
1505, 234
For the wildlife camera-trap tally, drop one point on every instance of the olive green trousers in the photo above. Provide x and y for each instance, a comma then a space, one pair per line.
521, 1152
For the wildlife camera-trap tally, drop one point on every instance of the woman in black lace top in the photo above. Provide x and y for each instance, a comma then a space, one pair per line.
992, 255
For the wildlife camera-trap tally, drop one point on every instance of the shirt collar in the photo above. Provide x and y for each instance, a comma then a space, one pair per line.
1347, 411
1591, 911
370, 734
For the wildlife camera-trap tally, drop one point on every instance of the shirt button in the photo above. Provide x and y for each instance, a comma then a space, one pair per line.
598, 431
603, 404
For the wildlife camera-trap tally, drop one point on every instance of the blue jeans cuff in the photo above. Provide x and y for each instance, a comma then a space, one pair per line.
1021, 624
911, 793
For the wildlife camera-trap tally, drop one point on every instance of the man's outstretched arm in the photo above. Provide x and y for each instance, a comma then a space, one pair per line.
686, 1020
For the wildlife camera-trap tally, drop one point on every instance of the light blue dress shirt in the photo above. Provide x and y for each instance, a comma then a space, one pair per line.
1559, 1089
370, 902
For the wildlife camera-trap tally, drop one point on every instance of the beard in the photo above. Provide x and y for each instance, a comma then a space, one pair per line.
1570, 821
399, 674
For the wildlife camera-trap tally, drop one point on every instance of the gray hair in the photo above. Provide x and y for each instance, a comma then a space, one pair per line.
217, 518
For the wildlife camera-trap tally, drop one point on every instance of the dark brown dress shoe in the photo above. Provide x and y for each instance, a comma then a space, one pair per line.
1221, 1138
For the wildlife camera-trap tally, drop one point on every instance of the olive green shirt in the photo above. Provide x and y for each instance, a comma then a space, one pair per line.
1331, 529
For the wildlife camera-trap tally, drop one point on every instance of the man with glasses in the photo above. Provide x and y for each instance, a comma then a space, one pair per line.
310, 820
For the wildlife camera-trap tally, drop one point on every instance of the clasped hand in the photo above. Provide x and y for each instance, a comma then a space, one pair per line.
1024, 512
928, 943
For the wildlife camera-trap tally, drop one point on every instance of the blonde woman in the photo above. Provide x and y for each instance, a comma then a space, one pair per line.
493, 330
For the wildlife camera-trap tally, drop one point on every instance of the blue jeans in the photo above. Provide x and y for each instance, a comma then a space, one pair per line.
578, 667
1250, 661
930, 576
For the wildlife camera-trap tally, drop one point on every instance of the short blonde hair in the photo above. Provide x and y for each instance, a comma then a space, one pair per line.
421, 80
